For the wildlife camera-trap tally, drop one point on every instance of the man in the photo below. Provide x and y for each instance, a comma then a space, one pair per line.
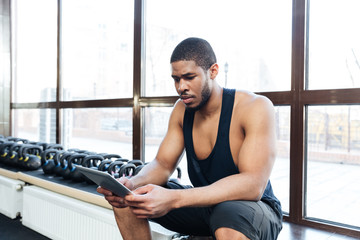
229, 138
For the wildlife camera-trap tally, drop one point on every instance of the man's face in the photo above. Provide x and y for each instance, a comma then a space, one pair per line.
192, 83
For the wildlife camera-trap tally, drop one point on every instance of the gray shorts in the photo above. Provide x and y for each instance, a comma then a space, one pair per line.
256, 220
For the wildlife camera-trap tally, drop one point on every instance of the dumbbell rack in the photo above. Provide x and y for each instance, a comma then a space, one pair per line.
59, 211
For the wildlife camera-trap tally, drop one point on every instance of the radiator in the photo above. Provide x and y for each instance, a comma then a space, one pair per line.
11, 197
61, 217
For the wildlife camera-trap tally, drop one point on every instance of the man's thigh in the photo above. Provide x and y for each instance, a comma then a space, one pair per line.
256, 220
188, 221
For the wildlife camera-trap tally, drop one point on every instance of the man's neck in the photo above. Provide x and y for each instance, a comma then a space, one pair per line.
214, 103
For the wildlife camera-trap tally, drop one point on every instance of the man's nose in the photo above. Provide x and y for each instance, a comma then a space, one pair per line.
182, 86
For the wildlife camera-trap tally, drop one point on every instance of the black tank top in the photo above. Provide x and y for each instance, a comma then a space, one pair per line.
219, 163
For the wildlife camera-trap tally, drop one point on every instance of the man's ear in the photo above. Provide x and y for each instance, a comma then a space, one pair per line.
214, 70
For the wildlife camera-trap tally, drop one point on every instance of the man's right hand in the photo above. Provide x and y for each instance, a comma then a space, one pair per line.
114, 200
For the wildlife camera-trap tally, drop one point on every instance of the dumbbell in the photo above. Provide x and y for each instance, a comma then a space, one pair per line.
42, 144
136, 162
61, 161
138, 166
30, 157
55, 146
17, 140
69, 162
74, 173
91, 161
110, 156
127, 170
57, 165
76, 150
114, 168
104, 165
47, 160
13, 155
108, 159
4, 150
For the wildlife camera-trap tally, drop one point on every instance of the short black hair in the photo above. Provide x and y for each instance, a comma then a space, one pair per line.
194, 49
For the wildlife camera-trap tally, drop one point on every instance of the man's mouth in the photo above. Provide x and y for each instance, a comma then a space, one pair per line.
186, 99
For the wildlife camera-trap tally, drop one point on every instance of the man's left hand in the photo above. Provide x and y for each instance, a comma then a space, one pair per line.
151, 201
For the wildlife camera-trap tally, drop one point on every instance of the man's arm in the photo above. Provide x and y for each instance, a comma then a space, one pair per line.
255, 160
160, 169
171, 148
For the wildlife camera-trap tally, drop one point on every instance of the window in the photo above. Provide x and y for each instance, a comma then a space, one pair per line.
252, 56
333, 163
97, 49
35, 124
331, 134
101, 130
334, 44
34, 50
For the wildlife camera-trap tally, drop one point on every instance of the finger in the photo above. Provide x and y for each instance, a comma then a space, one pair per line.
114, 198
104, 191
126, 182
139, 211
118, 205
143, 190
135, 199
123, 180
139, 205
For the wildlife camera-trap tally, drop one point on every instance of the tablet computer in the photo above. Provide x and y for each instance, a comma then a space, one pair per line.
105, 180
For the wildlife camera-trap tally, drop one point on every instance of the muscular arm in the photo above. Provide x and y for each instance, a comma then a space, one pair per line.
159, 170
255, 161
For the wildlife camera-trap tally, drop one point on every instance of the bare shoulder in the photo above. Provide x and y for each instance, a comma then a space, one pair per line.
245, 99
177, 114
249, 106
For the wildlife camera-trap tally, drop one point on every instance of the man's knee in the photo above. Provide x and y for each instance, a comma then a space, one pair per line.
130, 226
125, 215
228, 233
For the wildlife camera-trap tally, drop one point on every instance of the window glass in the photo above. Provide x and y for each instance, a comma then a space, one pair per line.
34, 50
97, 49
252, 41
334, 44
280, 176
333, 163
101, 130
37, 125
155, 124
